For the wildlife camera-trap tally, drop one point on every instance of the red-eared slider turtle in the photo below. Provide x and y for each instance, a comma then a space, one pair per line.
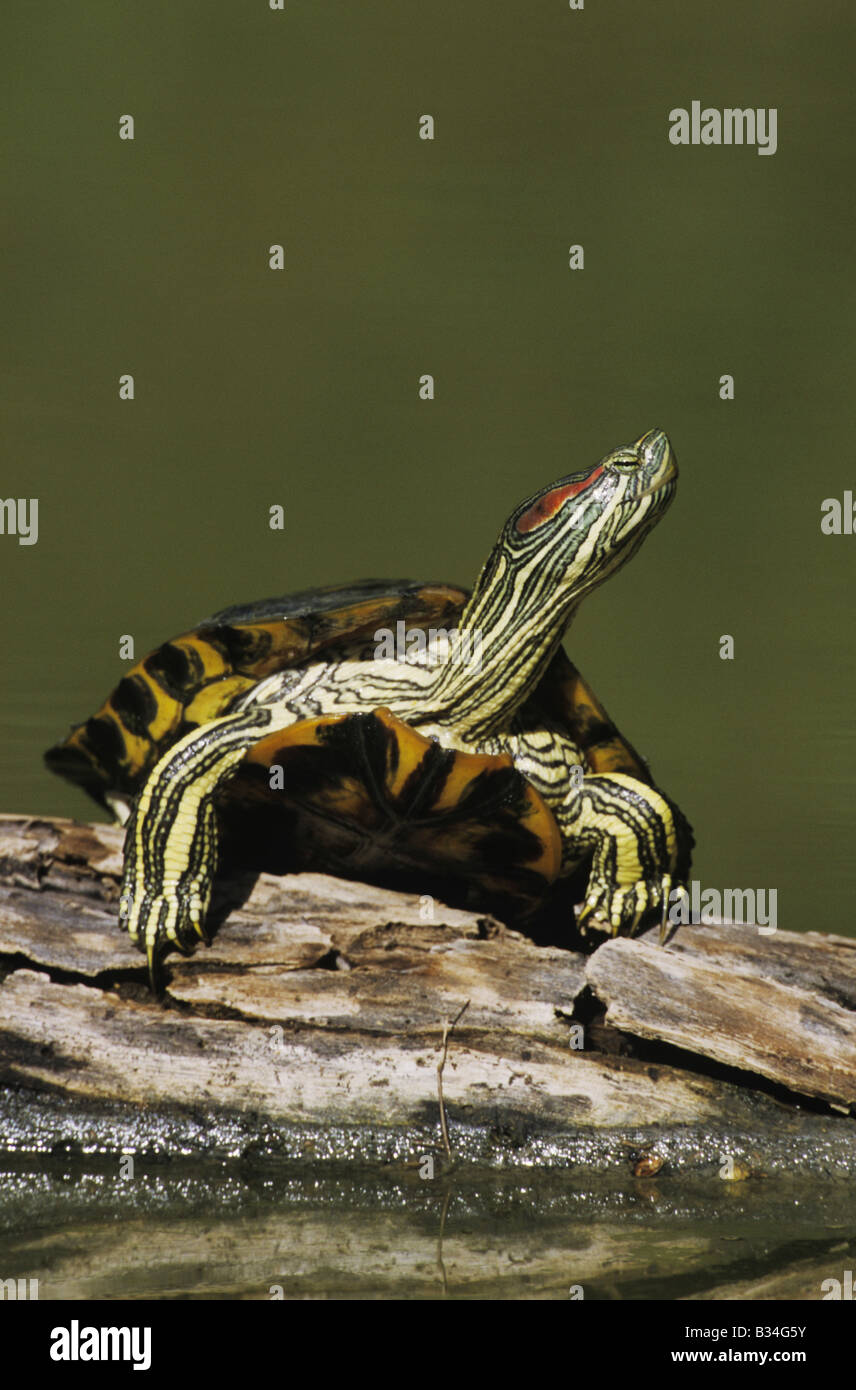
405, 733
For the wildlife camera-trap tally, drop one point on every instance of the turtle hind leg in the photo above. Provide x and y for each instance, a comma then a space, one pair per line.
640, 845
171, 848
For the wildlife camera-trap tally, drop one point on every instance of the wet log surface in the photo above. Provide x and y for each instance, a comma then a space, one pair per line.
312, 1029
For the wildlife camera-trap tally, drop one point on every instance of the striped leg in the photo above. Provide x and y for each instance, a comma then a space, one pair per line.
171, 839
640, 843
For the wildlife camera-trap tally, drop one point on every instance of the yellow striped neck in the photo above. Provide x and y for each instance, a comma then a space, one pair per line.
516, 641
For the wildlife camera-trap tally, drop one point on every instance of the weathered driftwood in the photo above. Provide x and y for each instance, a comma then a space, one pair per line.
323, 1003
781, 1006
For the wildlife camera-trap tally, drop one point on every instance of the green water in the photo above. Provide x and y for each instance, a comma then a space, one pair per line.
448, 257
202, 1233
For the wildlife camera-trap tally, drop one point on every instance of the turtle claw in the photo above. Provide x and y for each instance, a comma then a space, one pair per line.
153, 958
172, 917
616, 911
666, 888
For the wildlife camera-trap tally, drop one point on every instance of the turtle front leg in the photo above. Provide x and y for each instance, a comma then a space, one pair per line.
171, 838
640, 844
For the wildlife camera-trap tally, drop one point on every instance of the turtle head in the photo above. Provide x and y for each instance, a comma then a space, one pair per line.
570, 536
554, 549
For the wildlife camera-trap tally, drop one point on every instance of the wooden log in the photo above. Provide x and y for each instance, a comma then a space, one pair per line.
314, 1023
779, 1006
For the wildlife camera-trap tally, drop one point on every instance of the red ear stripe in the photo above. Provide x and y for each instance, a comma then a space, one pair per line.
550, 503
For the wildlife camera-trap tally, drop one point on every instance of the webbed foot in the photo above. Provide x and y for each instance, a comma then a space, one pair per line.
640, 851
622, 911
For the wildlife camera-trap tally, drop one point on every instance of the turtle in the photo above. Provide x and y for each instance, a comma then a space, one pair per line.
413, 734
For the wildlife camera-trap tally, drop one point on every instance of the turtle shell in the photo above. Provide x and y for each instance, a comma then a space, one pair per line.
366, 796
197, 676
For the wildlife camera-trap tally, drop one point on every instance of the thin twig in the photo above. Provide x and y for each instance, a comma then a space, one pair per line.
447, 1028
